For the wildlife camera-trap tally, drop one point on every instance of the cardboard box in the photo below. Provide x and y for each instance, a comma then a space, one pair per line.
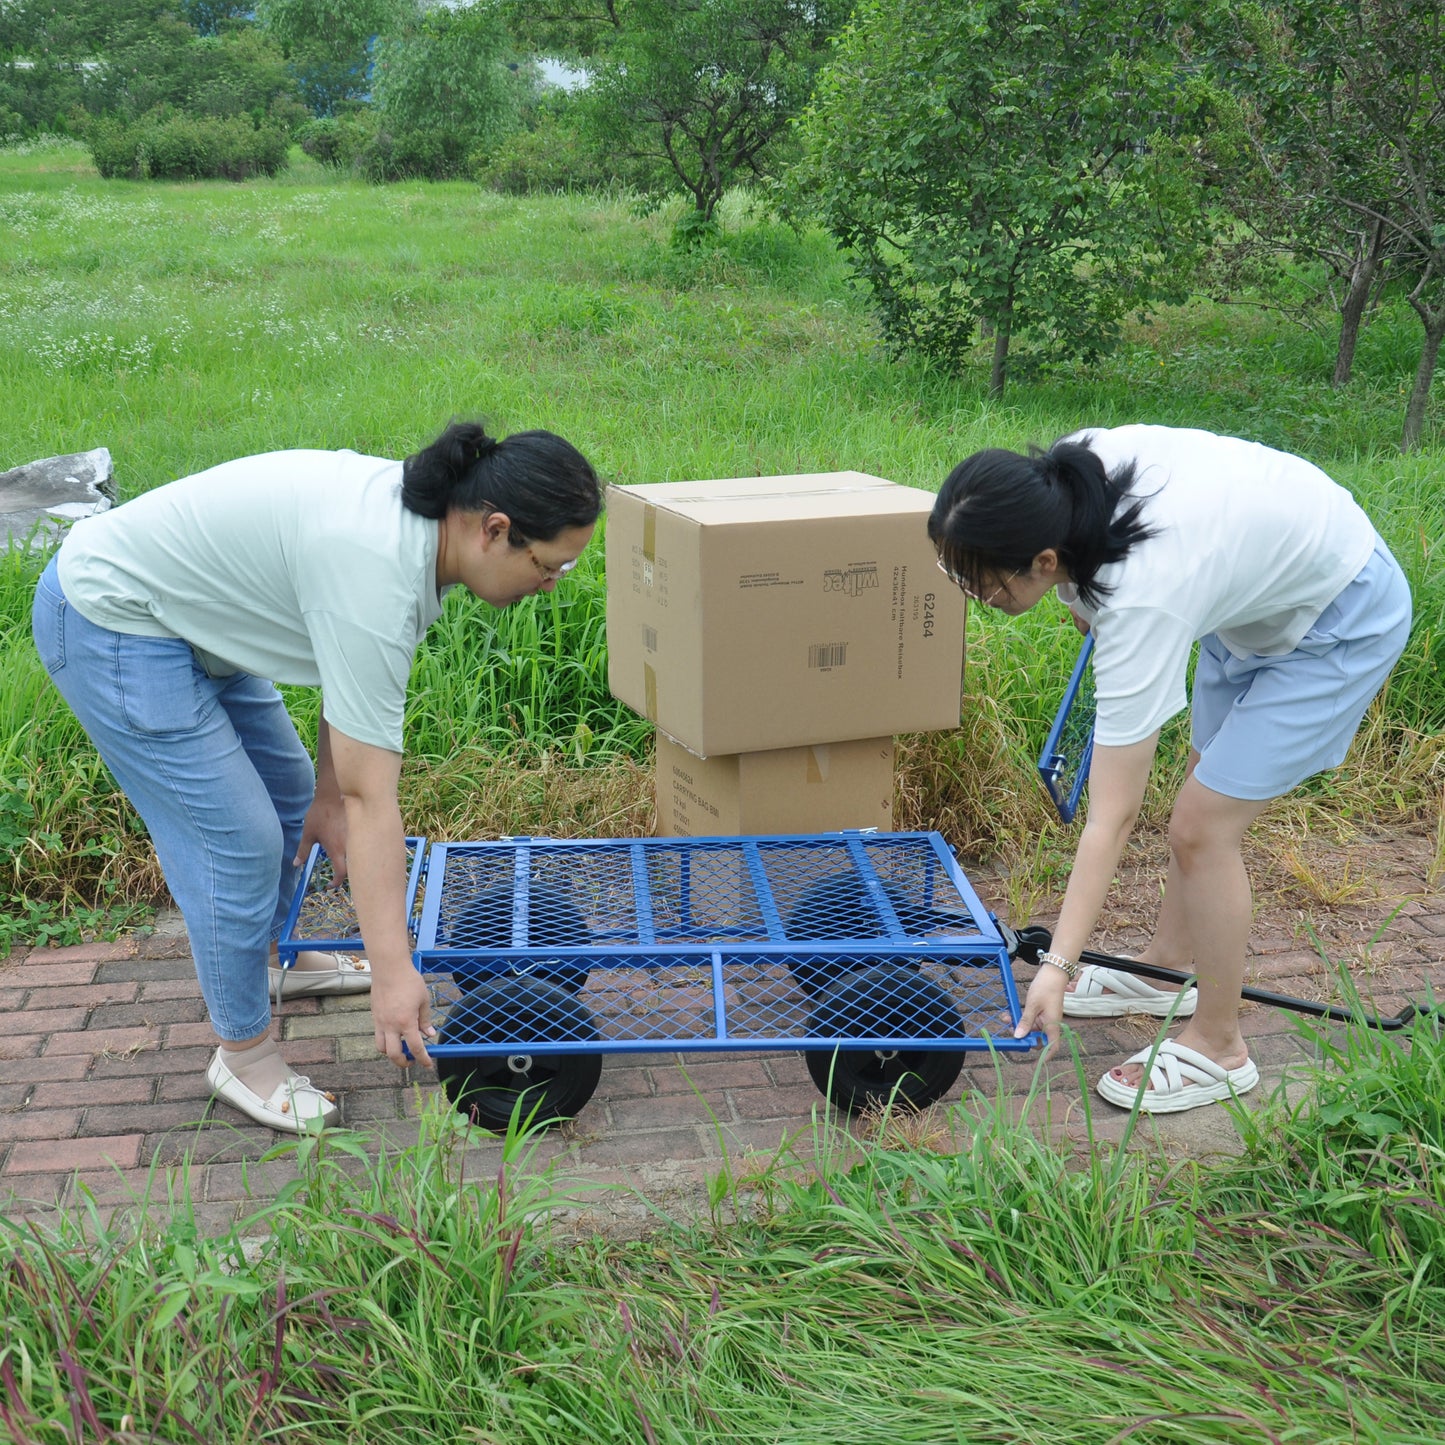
770, 612
814, 789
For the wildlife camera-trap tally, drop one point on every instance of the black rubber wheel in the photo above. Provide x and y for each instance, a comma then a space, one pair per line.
884, 1003
492, 1088
1032, 941
553, 921
837, 909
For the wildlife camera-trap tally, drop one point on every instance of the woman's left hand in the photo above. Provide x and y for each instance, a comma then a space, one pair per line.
325, 824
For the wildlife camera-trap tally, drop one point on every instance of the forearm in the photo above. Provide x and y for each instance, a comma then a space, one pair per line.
376, 866
1096, 861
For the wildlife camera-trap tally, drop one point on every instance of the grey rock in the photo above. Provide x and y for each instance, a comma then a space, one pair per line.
52, 493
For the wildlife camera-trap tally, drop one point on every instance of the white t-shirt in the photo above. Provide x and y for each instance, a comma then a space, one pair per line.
297, 566
1250, 543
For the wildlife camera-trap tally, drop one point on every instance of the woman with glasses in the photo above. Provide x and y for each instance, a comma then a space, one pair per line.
165, 624
1157, 538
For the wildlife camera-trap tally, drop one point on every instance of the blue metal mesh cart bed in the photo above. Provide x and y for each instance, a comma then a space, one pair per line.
870, 952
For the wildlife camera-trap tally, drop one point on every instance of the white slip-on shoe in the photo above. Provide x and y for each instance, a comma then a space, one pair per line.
294, 1104
1110, 993
1182, 1078
350, 975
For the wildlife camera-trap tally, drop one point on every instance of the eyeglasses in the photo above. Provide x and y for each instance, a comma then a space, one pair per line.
550, 574
969, 592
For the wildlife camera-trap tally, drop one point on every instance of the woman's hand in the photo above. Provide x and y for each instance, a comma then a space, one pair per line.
401, 1011
1044, 1004
325, 824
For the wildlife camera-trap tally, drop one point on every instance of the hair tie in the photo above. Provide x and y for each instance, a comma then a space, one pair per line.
485, 448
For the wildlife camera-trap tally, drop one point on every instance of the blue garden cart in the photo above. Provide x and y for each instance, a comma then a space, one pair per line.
868, 952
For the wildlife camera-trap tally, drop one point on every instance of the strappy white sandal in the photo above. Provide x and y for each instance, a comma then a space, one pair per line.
1109, 993
1182, 1078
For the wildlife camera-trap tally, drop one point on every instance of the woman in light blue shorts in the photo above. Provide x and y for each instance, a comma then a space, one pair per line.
1158, 539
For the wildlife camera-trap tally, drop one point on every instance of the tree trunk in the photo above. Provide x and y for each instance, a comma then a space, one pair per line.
998, 372
1434, 322
1362, 279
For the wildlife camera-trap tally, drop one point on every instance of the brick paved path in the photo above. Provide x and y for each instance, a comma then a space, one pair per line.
102, 1083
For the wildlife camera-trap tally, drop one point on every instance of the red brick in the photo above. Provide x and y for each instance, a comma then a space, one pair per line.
151, 1061
255, 1180
98, 1041
710, 1074
35, 974
663, 1145
1433, 923
165, 945
86, 995
56, 1066
11, 999
33, 1194
47, 1156
184, 1084
229, 1136
153, 1118
98, 952
793, 1102
83, 1091
21, 1046
44, 1020
189, 1034
40, 1124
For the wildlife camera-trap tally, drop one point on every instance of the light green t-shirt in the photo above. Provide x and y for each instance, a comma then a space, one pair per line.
297, 566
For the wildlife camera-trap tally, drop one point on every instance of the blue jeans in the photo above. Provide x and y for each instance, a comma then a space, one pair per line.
217, 773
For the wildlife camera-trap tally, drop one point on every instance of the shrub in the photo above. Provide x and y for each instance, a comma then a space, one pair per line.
432, 155
170, 146
551, 157
336, 141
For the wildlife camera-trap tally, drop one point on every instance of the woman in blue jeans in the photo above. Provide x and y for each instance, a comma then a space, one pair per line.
165, 624
1156, 538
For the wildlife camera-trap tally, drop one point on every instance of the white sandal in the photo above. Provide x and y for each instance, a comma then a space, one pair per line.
1109, 993
350, 975
1182, 1078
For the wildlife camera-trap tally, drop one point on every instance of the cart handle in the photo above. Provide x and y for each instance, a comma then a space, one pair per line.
1027, 943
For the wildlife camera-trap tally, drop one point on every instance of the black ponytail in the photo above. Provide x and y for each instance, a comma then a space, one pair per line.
998, 510
542, 483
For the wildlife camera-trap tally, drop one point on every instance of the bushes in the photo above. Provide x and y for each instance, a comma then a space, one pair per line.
551, 157
335, 141
171, 146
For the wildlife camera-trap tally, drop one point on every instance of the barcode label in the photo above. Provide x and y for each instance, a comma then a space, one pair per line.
649, 638
827, 654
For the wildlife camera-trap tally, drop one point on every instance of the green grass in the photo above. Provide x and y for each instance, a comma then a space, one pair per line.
180, 325
1006, 1292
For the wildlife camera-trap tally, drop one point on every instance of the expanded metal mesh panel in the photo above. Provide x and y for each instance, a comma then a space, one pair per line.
1069, 748
322, 916
731, 942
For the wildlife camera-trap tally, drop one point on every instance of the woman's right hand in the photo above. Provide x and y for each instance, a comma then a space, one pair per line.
1044, 1004
401, 1012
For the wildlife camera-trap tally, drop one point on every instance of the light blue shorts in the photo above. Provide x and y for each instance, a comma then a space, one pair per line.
1262, 725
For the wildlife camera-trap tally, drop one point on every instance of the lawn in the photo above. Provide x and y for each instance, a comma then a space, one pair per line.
1008, 1293
180, 325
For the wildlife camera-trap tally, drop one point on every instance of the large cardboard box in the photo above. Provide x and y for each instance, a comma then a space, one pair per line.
769, 612
813, 789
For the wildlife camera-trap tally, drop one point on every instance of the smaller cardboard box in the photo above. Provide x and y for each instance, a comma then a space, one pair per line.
761, 613
815, 789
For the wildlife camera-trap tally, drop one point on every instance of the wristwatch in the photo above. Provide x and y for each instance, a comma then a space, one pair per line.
1069, 968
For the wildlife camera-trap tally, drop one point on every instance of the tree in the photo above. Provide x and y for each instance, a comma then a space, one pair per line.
1343, 109
448, 72
1004, 165
329, 43
703, 90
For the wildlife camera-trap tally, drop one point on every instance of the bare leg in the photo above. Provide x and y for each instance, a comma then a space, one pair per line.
1211, 912
1171, 945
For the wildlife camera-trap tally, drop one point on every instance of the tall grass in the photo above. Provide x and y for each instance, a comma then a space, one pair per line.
183, 325
1005, 1292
